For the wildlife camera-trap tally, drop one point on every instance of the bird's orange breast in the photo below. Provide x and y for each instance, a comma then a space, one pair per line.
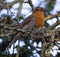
39, 19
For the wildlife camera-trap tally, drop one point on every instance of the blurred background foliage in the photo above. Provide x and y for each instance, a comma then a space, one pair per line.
13, 12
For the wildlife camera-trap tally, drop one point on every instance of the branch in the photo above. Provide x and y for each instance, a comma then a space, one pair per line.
19, 9
12, 3
16, 37
9, 5
54, 25
30, 3
51, 16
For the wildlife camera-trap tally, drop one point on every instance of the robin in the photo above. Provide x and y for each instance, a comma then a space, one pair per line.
31, 23
34, 21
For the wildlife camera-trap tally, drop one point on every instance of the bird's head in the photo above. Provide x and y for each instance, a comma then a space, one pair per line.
38, 9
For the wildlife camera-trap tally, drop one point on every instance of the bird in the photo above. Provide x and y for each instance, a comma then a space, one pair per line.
34, 21
38, 15
31, 23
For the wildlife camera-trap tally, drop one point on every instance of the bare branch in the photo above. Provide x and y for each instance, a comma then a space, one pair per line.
30, 3
51, 16
54, 25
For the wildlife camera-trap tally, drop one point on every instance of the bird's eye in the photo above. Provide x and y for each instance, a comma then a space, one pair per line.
37, 10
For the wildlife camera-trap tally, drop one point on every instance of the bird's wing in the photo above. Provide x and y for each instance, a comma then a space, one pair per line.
26, 21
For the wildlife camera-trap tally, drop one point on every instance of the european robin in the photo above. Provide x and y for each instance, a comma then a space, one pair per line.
36, 20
